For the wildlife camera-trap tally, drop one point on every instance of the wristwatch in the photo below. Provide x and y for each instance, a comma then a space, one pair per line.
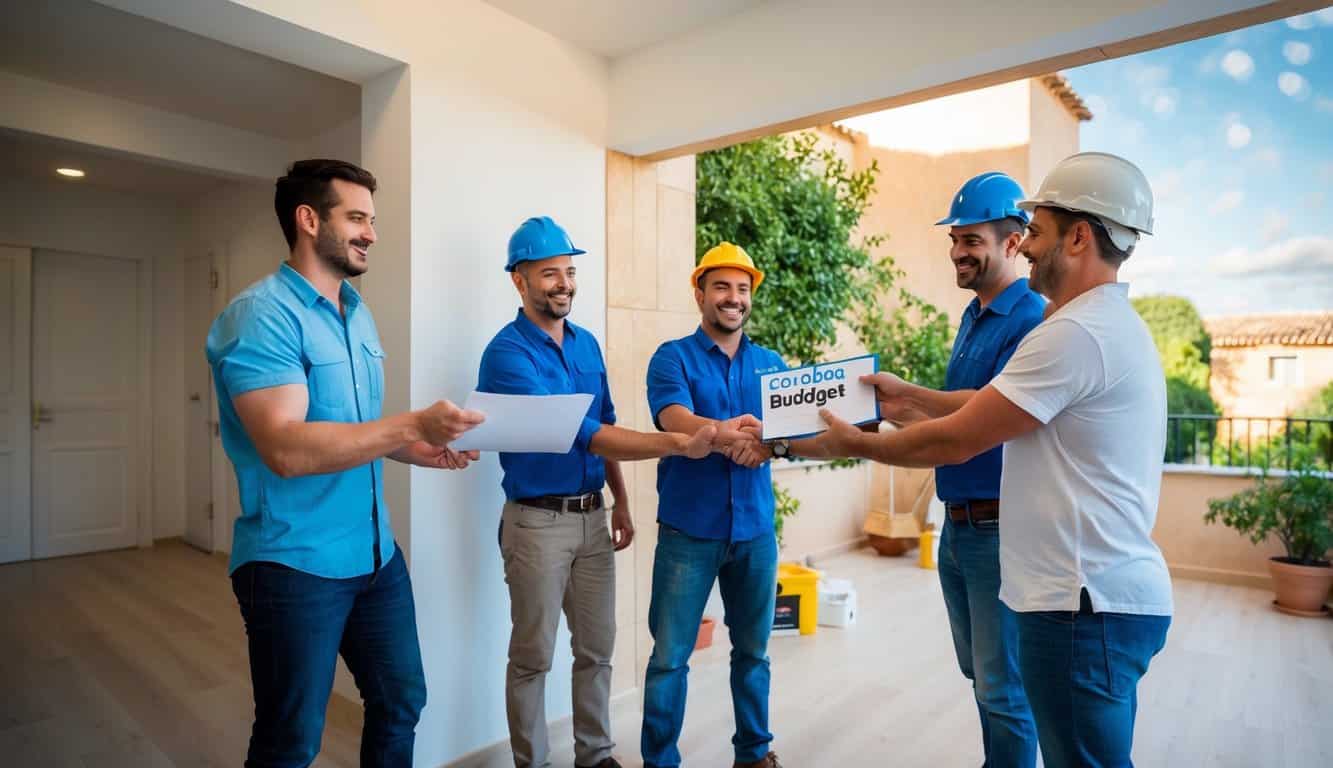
781, 448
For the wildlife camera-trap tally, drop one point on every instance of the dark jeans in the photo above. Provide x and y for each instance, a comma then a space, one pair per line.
1081, 671
297, 625
985, 639
683, 574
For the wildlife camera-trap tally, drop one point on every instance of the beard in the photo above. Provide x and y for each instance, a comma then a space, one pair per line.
980, 269
725, 324
551, 304
336, 253
1047, 272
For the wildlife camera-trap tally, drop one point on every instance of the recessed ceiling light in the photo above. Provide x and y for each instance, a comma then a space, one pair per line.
73, 173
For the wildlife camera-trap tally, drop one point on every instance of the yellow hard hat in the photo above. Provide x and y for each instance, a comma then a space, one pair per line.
728, 255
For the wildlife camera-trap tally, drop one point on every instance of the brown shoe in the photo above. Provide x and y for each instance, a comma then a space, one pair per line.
608, 762
768, 761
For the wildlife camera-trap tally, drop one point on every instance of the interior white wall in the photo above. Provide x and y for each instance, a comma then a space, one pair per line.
69, 216
467, 142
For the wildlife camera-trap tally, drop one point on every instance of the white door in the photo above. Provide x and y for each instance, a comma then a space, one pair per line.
198, 418
223, 475
16, 412
86, 367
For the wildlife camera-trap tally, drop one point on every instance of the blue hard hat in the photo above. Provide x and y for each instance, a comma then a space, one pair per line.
539, 238
988, 197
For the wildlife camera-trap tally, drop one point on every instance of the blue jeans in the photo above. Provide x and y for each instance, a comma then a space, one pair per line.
985, 639
297, 625
683, 574
1081, 671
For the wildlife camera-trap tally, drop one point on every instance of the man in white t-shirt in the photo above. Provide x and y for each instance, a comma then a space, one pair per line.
1081, 410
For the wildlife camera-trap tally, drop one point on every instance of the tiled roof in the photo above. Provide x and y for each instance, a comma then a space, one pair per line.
1301, 329
1059, 85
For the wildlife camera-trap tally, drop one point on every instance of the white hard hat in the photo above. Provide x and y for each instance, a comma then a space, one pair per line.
1104, 185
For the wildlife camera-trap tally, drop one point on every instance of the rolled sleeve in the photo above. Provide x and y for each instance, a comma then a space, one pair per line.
667, 385
589, 427
255, 345
1057, 364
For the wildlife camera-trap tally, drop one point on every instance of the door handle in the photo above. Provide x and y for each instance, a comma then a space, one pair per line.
39, 418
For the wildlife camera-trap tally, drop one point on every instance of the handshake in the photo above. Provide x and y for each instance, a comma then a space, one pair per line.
738, 438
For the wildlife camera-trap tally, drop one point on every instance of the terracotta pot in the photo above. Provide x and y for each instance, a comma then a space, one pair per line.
890, 547
705, 637
1301, 589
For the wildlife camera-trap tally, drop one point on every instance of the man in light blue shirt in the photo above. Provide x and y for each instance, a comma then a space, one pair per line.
299, 371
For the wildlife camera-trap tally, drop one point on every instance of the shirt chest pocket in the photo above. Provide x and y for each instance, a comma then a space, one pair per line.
588, 377
374, 355
329, 380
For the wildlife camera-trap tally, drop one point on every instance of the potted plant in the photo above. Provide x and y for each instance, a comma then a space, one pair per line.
1297, 509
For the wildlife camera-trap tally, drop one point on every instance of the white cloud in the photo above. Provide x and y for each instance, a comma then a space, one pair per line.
1274, 226
1164, 103
1226, 202
1238, 65
1324, 104
1297, 53
1293, 85
1303, 22
1238, 135
1309, 20
1295, 256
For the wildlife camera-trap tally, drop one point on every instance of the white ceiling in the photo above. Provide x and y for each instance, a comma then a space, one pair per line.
27, 156
90, 47
613, 28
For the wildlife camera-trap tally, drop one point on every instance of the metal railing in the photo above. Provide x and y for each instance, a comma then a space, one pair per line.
1246, 441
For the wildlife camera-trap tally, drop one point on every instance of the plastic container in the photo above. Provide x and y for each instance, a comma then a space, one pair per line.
837, 603
930, 545
797, 610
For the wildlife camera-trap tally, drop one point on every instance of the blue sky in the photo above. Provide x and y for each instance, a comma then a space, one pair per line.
1235, 132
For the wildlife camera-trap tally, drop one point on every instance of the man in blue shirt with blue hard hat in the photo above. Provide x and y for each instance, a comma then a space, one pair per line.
299, 372
985, 228
558, 552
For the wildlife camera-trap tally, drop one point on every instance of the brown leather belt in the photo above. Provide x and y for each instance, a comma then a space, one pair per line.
975, 511
588, 502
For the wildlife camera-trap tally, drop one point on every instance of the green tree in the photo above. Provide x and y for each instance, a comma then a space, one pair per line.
1184, 346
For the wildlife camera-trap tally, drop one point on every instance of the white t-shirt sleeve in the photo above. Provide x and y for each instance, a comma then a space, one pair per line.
1057, 364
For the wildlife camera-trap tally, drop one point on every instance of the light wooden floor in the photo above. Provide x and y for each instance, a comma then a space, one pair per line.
138, 658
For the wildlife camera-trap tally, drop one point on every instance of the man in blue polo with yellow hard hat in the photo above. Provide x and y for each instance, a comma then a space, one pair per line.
558, 552
985, 227
715, 515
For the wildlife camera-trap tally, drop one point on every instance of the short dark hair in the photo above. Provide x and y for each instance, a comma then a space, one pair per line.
1110, 253
310, 182
1003, 228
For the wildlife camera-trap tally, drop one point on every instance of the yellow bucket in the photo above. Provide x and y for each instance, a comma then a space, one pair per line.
797, 609
927, 557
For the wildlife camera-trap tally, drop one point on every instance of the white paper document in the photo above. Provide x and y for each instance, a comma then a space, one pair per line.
792, 398
524, 423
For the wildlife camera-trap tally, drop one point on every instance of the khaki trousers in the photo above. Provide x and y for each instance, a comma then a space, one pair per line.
557, 561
